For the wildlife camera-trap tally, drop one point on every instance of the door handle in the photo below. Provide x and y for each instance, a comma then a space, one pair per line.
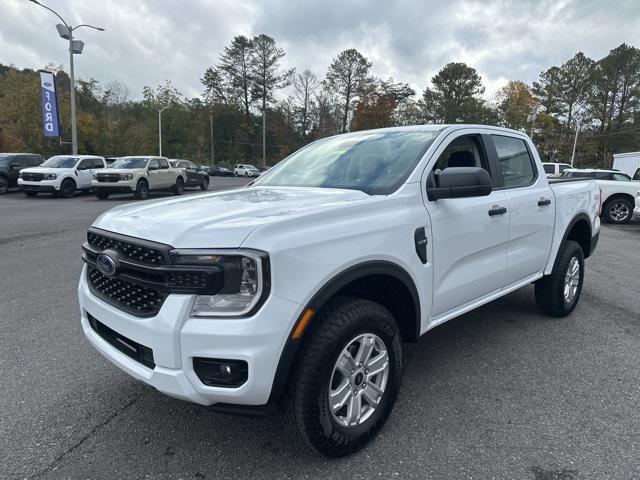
497, 211
544, 201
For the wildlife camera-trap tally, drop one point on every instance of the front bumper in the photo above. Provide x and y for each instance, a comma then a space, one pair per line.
175, 339
48, 186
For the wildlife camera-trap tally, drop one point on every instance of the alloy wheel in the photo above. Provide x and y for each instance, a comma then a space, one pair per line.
571, 280
619, 211
358, 380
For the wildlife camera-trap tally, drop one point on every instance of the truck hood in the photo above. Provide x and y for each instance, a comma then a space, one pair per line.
59, 171
221, 219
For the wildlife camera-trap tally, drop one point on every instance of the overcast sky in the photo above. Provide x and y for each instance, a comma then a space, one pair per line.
148, 41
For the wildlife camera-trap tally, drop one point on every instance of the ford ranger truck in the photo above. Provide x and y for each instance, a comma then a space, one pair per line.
299, 290
139, 176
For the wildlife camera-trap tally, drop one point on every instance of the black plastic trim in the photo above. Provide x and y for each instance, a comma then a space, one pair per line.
323, 295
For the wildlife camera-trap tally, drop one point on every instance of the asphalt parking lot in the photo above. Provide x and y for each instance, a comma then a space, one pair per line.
502, 392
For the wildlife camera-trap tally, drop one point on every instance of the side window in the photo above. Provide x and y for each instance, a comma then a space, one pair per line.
550, 168
34, 161
514, 161
621, 177
636, 176
163, 163
23, 160
464, 151
153, 164
85, 164
98, 163
564, 167
603, 176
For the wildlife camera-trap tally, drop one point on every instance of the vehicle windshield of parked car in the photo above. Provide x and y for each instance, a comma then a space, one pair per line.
376, 163
130, 162
60, 162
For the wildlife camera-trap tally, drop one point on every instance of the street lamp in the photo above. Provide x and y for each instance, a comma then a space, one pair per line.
75, 47
160, 128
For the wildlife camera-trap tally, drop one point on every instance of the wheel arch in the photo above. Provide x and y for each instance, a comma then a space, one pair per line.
384, 282
619, 196
579, 230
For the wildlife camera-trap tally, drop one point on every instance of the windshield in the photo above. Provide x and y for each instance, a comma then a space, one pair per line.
5, 159
376, 163
60, 162
130, 162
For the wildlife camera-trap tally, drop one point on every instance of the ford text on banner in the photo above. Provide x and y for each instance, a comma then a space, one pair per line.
50, 124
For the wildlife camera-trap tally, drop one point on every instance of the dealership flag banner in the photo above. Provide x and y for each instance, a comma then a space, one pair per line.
50, 123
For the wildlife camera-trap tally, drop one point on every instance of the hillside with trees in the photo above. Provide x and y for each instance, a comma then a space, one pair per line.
599, 97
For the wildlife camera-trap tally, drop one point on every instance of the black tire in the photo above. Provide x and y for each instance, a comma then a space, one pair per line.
550, 290
142, 189
31, 194
68, 188
618, 211
4, 184
204, 186
102, 195
306, 402
178, 188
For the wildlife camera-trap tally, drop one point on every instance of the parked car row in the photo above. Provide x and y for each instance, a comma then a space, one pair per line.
64, 175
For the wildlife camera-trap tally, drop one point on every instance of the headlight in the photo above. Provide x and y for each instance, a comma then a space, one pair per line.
50, 176
19, 174
245, 285
126, 176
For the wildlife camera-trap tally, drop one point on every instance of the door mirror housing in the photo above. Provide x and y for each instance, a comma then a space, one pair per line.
458, 182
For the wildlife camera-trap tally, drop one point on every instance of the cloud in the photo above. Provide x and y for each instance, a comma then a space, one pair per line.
148, 41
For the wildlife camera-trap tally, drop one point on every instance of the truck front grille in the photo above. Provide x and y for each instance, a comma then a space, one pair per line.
32, 177
137, 252
130, 297
108, 177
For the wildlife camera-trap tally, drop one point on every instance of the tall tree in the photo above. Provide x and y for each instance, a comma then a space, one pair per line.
515, 102
266, 74
235, 63
305, 85
346, 75
455, 96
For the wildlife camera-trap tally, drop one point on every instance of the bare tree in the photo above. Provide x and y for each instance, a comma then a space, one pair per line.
306, 85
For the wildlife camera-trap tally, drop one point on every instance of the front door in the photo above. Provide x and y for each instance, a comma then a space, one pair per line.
85, 173
469, 235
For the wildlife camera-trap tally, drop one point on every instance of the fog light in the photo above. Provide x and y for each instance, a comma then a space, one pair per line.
215, 372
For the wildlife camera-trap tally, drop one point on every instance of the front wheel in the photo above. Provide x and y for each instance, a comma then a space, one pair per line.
68, 188
204, 186
346, 379
558, 294
618, 211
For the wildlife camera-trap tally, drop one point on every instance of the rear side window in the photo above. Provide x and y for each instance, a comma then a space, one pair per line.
636, 176
98, 163
163, 163
549, 168
564, 167
621, 177
514, 161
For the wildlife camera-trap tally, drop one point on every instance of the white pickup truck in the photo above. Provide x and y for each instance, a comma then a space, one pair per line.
299, 290
618, 192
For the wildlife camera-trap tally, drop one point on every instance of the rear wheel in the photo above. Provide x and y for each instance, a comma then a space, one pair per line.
347, 376
4, 184
618, 211
558, 294
142, 190
102, 195
67, 188
205, 184
178, 188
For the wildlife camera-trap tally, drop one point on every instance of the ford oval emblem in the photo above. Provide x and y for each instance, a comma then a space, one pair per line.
106, 265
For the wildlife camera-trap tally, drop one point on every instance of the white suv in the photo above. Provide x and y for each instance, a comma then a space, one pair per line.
61, 175
246, 171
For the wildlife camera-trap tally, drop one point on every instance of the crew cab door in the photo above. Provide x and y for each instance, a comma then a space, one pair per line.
530, 203
84, 172
469, 235
155, 174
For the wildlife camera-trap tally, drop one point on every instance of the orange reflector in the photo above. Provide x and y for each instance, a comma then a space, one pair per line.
302, 324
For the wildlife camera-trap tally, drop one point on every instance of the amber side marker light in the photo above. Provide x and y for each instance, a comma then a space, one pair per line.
302, 324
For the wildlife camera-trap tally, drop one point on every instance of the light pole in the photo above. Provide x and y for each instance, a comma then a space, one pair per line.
75, 47
160, 129
575, 142
211, 135
264, 137
532, 118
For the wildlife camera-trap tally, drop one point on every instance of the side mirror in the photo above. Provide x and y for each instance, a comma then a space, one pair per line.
458, 182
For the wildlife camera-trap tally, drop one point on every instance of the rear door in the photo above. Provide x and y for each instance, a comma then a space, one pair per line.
530, 204
469, 235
